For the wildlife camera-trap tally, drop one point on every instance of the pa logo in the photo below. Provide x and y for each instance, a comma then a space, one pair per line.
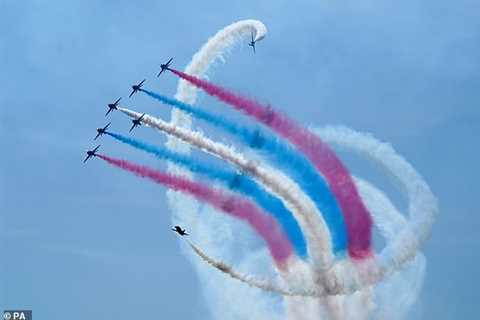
17, 315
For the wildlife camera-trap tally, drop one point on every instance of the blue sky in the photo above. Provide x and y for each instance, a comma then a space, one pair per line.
87, 240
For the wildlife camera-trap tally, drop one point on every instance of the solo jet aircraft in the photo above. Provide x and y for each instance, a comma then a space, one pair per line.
180, 231
252, 44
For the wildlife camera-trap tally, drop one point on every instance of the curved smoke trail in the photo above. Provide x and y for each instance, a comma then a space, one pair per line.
245, 278
295, 165
214, 48
201, 61
315, 230
356, 215
234, 181
386, 216
240, 208
422, 203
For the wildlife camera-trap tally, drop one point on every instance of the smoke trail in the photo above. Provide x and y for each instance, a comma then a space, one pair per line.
304, 210
422, 203
214, 48
296, 165
235, 181
422, 209
383, 211
357, 218
249, 280
245, 210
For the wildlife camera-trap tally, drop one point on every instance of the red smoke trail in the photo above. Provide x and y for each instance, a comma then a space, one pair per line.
266, 226
356, 215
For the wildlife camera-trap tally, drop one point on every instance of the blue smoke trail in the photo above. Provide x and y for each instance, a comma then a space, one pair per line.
235, 181
284, 156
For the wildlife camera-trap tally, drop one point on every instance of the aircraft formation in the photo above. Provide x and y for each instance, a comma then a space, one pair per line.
135, 88
138, 122
135, 123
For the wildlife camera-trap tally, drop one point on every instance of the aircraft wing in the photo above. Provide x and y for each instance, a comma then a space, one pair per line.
133, 126
133, 91
88, 157
96, 148
98, 135
109, 110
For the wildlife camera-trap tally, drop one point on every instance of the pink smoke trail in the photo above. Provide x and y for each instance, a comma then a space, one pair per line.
277, 242
357, 218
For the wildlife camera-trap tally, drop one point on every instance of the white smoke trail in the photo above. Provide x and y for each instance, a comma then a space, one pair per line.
201, 61
213, 49
422, 203
395, 294
252, 281
304, 210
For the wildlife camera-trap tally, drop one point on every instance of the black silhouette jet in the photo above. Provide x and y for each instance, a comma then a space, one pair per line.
136, 87
136, 122
252, 44
180, 231
101, 131
164, 66
91, 153
112, 106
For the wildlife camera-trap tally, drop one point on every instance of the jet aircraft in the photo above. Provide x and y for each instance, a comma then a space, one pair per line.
136, 122
91, 153
112, 106
164, 66
101, 131
136, 87
180, 231
252, 44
